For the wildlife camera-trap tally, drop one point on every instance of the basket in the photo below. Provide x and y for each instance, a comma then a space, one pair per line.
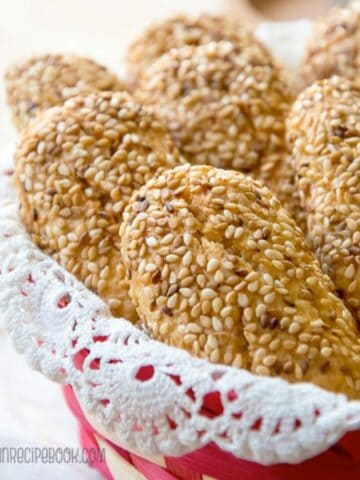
341, 461
159, 413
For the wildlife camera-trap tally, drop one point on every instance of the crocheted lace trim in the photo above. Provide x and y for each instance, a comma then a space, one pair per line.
153, 398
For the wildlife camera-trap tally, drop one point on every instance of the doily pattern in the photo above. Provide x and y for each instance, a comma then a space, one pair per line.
155, 399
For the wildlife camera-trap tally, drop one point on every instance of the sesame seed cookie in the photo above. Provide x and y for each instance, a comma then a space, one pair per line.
48, 80
180, 31
216, 266
76, 168
324, 129
334, 47
224, 107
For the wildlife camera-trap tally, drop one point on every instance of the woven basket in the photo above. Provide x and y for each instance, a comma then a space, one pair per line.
159, 413
340, 462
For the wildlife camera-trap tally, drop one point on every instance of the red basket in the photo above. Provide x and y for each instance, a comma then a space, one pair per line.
340, 462
68, 334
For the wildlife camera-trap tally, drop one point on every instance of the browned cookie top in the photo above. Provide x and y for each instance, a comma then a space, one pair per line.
180, 31
324, 130
334, 47
218, 267
76, 169
48, 80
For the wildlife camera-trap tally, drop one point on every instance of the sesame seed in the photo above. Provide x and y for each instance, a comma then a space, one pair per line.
173, 301
187, 259
215, 356
212, 265
194, 328
62, 169
273, 254
269, 298
260, 310
212, 342
248, 313
317, 323
152, 242
243, 300
151, 267
269, 360
205, 321
171, 258
93, 267
302, 349
189, 338
350, 271
253, 286
167, 239
278, 265
187, 239
164, 328
265, 339
217, 324
294, 328
268, 278
229, 232
208, 293
148, 292
326, 352
226, 311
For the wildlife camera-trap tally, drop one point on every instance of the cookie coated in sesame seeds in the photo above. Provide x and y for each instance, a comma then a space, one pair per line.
334, 47
224, 107
324, 129
181, 30
216, 266
76, 167
48, 80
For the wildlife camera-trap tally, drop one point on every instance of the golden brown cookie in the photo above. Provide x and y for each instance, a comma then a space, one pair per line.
76, 168
48, 80
334, 47
180, 31
324, 129
218, 267
225, 107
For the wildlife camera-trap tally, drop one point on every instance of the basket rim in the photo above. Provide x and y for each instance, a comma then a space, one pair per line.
31, 284
202, 461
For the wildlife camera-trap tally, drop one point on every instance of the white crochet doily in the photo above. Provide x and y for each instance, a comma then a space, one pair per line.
151, 397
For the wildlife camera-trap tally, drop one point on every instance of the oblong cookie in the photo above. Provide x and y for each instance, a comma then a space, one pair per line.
225, 106
324, 130
181, 30
76, 169
48, 80
334, 46
217, 266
